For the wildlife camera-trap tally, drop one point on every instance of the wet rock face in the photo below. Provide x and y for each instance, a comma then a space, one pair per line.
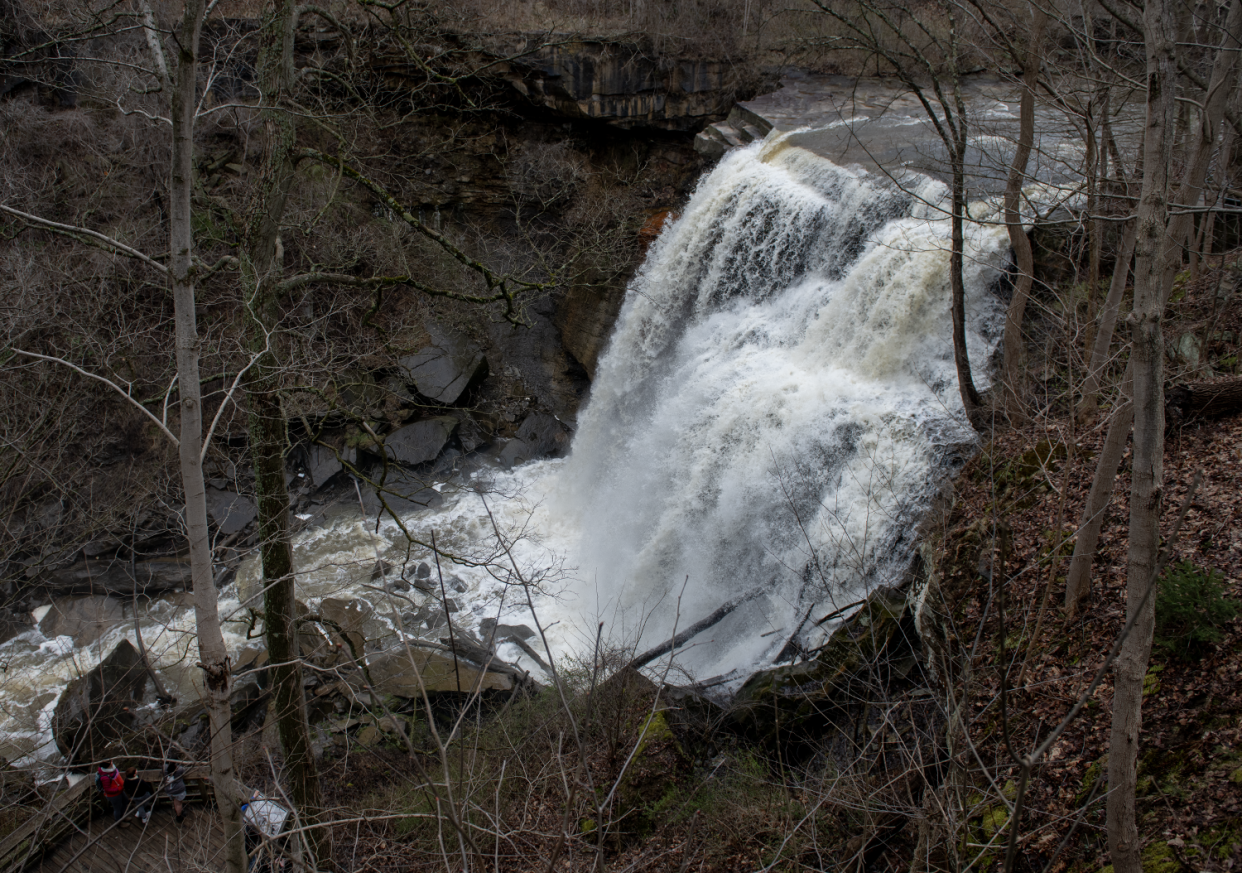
585, 317
98, 708
624, 86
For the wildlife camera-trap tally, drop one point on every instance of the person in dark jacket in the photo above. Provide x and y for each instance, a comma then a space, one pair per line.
174, 786
139, 793
112, 784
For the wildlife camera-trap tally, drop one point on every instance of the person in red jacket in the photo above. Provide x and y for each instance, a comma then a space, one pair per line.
112, 784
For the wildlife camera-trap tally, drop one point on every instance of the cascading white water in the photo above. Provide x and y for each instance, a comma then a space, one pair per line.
776, 409
778, 404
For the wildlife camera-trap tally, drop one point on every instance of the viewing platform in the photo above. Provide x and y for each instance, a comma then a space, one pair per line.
75, 833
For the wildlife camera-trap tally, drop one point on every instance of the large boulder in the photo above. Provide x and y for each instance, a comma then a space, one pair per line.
544, 434
114, 576
229, 510
98, 708
540, 436
421, 441
312, 644
324, 462
444, 370
498, 633
85, 619
403, 491
407, 675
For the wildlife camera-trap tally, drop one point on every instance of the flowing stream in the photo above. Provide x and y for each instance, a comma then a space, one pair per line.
776, 411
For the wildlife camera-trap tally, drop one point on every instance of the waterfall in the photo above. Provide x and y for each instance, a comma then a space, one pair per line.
776, 411
777, 407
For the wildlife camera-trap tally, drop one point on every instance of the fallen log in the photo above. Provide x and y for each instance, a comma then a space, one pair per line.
691, 632
1203, 399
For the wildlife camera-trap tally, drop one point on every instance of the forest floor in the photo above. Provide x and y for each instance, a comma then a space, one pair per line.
1190, 772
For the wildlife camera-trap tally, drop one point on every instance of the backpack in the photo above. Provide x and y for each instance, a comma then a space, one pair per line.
110, 783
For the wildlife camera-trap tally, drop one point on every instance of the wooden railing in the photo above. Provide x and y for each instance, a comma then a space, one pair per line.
70, 808
58, 818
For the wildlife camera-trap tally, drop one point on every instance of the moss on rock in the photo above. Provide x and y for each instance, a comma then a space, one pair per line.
799, 699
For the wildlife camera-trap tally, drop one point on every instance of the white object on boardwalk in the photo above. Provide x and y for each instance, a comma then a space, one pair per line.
265, 816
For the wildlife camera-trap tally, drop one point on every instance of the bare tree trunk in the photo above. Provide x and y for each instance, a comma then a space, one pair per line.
957, 152
1223, 75
260, 269
1207, 235
970, 395
1095, 222
1147, 477
213, 656
267, 441
1021, 243
1108, 323
1078, 582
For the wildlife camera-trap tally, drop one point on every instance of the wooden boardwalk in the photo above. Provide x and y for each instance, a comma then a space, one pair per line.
163, 846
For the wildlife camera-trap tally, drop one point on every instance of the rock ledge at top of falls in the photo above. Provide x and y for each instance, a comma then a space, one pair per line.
623, 85
742, 127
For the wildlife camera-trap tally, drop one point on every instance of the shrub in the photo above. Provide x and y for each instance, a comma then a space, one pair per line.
1191, 609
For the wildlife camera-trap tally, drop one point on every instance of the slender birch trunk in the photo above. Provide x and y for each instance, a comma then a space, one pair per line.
1078, 583
213, 656
1108, 322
